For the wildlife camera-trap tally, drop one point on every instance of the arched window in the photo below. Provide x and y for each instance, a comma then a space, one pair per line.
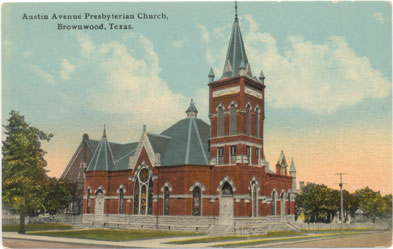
248, 120
196, 201
88, 201
121, 201
254, 199
136, 197
220, 121
227, 189
232, 120
274, 203
257, 122
143, 192
289, 203
166, 201
150, 197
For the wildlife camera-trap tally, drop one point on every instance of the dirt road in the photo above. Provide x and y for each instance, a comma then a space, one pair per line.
378, 239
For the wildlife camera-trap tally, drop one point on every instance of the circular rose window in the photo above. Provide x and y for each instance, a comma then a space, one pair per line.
144, 175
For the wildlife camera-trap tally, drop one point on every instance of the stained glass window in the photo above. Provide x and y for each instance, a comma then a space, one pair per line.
136, 197
220, 122
166, 201
196, 207
232, 122
248, 120
257, 123
88, 201
150, 198
121, 201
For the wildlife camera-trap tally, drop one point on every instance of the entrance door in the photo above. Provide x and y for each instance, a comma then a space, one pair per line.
99, 207
226, 206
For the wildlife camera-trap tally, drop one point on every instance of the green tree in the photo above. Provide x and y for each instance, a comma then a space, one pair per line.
387, 205
370, 202
318, 203
23, 168
58, 194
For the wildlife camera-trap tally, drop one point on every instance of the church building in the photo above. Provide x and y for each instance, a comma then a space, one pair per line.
192, 173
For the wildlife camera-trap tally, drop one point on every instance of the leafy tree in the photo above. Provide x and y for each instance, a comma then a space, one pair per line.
387, 205
58, 194
318, 203
23, 168
370, 202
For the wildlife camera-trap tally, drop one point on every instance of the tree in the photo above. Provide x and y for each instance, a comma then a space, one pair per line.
387, 205
370, 202
23, 168
318, 203
58, 194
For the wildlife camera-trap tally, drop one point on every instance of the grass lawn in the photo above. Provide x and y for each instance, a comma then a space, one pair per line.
114, 234
38, 227
235, 237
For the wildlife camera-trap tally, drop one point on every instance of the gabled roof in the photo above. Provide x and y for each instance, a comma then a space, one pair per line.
236, 58
103, 158
282, 160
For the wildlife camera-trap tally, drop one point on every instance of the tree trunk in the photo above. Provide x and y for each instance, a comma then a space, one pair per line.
22, 224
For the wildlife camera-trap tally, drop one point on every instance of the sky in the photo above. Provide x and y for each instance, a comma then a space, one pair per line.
328, 68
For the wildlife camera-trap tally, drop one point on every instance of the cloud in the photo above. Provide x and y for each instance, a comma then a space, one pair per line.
41, 73
205, 35
379, 17
320, 78
178, 44
66, 69
129, 82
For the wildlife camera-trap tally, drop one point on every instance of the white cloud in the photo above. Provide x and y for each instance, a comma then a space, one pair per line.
205, 35
178, 44
320, 78
130, 84
41, 73
379, 17
66, 69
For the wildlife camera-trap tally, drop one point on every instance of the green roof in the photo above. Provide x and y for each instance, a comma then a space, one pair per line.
184, 143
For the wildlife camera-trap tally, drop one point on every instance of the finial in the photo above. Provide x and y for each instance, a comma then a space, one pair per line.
262, 77
104, 135
236, 10
211, 75
144, 128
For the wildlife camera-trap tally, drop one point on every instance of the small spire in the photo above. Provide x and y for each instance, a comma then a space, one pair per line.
262, 77
144, 128
236, 11
292, 167
104, 135
211, 75
192, 110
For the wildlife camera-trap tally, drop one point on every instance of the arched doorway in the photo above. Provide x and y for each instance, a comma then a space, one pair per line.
226, 205
99, 206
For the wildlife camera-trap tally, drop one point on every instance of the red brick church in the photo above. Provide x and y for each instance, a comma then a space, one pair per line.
192, 169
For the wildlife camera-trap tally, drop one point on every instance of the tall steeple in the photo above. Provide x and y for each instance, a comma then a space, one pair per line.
236, 62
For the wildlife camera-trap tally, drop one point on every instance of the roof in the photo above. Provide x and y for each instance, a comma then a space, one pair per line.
188, 143
185, 142
292, 167
192, 107
282, 160
236, 58
102, 158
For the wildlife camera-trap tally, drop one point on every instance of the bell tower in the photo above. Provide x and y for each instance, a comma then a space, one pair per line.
236, 108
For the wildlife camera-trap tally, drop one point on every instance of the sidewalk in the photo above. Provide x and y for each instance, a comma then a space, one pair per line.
155, 243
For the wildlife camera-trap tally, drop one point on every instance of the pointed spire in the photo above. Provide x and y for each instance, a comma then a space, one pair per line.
104, 134
192, 110
236, 58
236, 19
262, 77
292, 168
211, 75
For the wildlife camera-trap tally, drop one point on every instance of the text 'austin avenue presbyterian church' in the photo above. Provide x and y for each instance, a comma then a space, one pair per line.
192, 176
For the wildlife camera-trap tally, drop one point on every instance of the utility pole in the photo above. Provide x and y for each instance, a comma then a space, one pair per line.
341, 199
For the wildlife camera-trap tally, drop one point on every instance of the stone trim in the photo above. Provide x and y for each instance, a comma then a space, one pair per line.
226, 179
